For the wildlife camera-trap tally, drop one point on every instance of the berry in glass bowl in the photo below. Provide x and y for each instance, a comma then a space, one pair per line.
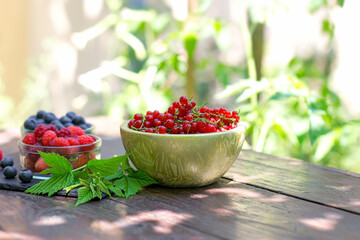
184, 146
70, 142
49, 118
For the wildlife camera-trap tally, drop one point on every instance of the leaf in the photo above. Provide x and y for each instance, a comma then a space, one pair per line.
234, 89
103, 188
106, 167
133, 182
255, 88
118, 192
84, 195
190, 41
282, 96
118, 174
341, 2
58, 164
52, 185
324, 145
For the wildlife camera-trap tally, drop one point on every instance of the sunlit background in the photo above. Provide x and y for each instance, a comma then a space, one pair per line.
289, 67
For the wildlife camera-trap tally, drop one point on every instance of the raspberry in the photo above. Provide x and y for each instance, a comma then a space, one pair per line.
64, 132
1, 154
40, 165
73, 141
40, 130
61, 142
76, 131
47, 137
85, 139
53, 128
29, 139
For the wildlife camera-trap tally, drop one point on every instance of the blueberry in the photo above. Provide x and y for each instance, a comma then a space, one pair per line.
71, 115
58, 125
83, 126
88, 125
68, 124
78, 120
10, 172
40, 121
40, 114
30, 123
32, 116
49, 117
65, 119
55, 121
7, 161
25, 176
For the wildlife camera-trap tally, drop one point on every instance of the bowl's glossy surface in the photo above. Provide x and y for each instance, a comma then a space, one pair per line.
189, 160
77, 155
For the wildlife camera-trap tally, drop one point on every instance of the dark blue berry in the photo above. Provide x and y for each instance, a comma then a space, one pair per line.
71, 115
78, 120
40, 121
88, 125
30, 123
83, 126
68, 124
40, 114
32, 116
58, 125
49, 117
25, 176
10, 172
65, 119
7, 161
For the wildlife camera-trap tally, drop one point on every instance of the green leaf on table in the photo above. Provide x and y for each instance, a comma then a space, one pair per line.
133, 182
52, 185
106, 167
117, 191
84, 195
58, 164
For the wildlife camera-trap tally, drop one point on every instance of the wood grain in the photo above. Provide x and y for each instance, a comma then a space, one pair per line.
236, 211
305, 180
30, 217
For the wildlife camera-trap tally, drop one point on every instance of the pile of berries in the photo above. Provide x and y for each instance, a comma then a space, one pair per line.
183, 117
70, 142
10, 172
70, 119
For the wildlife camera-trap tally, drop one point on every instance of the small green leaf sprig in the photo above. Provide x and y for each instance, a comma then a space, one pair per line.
113, 176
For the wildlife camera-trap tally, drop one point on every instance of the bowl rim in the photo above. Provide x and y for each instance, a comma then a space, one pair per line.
241, 124
97, 142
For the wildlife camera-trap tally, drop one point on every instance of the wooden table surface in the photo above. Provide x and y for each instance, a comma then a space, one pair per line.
260, 197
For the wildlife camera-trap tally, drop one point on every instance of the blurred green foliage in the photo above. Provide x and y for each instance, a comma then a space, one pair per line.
156, 58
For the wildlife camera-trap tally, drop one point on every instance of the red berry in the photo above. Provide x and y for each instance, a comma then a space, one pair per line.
40, 130
156, 113
73, 141
47, 137
162, 129
64, 132
1, 155
40, 165
138, 116
161, 117
169, 123
149, 118
53, 128
189, 117
171, 110
76, 131
183, 100
149, 113
61, 142
150, 130
131, 123
176, 104
147, 124
210, 128
157, 122
85, 139
137, 124
30, 139
193, 104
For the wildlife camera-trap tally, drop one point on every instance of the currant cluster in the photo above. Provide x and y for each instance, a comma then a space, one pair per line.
183, 117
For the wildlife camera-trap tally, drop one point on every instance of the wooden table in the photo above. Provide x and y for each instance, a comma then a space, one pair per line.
260, 197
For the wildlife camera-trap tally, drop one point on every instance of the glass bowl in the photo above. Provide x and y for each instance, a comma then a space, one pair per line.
77, 155
186, 160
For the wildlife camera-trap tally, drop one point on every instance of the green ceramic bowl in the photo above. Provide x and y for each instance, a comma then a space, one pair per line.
190, 160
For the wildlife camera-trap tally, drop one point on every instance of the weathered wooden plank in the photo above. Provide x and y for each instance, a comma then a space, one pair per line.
25, 216
305, 180
233, 210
